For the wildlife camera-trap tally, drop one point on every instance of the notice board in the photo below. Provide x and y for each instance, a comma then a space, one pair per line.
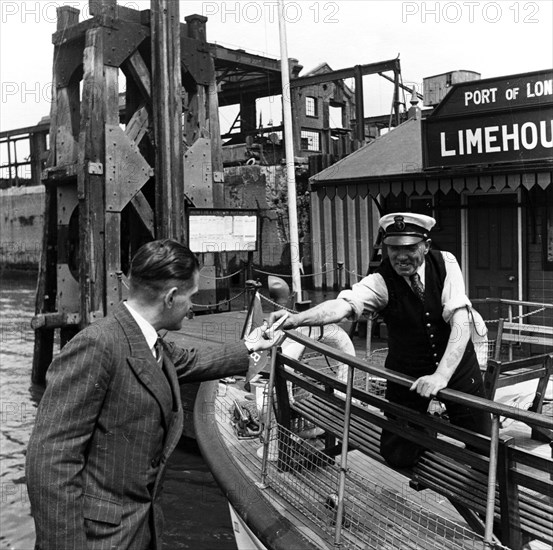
222, 230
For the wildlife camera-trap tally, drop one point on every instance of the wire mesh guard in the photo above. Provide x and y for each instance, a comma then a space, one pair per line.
375, 517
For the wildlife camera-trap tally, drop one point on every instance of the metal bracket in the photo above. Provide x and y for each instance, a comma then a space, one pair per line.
96, 168
126, 169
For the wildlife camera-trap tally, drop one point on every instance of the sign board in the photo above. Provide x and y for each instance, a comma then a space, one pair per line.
222, 230
507, 119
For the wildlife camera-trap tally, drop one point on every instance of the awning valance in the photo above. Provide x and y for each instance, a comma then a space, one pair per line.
430, 186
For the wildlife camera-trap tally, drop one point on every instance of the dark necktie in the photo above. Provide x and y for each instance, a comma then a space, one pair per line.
417, 287
159, 352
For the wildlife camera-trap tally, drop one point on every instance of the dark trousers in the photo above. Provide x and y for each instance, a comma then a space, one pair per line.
402, 453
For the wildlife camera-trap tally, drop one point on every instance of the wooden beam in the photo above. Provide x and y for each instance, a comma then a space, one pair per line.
91, 186
144, 212
341, 74
111, 8
45, 300
216, 146
140, 73
44, 321
224, 57
260, 87
359, 107
138, 125
167, 101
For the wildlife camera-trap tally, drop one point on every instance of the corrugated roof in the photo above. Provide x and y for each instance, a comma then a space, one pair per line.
396, 153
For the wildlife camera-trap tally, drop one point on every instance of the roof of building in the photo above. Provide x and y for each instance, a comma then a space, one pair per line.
398, 152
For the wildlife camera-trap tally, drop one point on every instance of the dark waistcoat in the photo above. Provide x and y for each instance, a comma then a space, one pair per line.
417, 333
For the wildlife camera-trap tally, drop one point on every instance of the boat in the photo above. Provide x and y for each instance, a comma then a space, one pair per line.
295, 451
294, 447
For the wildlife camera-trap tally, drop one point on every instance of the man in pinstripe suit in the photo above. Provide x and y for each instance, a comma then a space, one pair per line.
111, 414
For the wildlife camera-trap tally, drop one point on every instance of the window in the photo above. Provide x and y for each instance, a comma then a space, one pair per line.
311, 106
310, 140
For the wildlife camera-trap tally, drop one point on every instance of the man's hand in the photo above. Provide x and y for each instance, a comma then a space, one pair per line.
428, 386
259, 338
276, 315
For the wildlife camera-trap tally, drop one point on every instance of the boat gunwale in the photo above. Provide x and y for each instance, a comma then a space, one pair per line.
271, 527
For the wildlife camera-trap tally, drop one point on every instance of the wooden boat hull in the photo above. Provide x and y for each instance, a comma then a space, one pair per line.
266, 521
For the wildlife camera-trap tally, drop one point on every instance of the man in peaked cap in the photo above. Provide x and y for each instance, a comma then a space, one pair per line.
421, 296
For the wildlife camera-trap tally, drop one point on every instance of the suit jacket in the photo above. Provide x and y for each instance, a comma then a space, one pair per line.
105, 427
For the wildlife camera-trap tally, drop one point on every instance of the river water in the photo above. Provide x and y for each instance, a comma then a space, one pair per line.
195, 509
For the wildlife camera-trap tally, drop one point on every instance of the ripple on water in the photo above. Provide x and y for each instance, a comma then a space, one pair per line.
17, 409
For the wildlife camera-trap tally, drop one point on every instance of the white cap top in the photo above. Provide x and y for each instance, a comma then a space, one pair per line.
406, 228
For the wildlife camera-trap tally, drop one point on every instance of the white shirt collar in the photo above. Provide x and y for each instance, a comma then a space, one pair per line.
147, 329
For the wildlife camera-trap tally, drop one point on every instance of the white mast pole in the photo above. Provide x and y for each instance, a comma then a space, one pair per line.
289, 143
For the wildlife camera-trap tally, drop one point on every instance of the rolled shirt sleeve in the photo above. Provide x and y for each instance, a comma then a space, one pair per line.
369, 294
454, 295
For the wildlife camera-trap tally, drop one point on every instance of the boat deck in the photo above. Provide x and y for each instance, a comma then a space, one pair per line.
382, 511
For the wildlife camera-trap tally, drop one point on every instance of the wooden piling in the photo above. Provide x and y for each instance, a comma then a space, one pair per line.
167, 102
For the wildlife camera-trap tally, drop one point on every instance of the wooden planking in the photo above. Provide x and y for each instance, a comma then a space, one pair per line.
328, 248
316, 239
382, 509
340, 245
366, 237
352, 263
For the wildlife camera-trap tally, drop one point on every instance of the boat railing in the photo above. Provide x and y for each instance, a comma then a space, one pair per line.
532, 321
357, 405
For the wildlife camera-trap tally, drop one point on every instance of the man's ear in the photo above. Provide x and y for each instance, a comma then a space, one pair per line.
169, 297
427, 244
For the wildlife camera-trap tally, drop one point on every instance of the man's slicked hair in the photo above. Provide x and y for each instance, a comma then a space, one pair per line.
158, 262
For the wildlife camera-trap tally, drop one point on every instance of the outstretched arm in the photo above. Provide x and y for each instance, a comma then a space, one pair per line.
331, 311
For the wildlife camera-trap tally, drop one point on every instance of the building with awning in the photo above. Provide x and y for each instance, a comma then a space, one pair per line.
481, 164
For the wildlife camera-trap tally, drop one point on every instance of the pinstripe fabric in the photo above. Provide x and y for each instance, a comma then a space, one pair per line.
105, 427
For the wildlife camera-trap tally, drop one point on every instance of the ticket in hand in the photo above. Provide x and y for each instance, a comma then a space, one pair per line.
269, 331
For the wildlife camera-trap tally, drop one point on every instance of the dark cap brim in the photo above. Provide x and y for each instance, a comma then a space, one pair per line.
402, 240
